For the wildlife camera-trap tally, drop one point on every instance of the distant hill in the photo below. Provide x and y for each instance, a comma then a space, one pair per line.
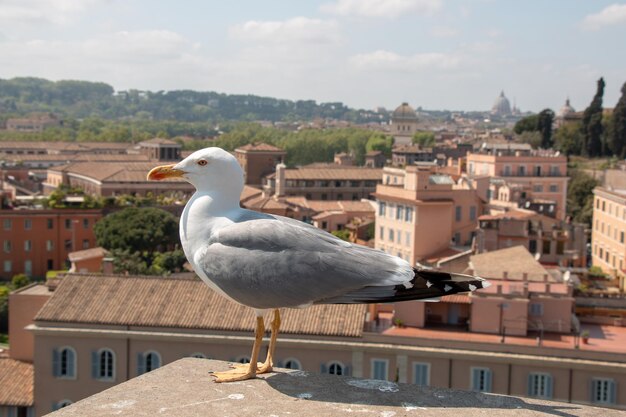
83, 99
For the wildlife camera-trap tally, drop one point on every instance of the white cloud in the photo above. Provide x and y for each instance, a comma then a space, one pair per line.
611, 15
444, 32
390, 61
300, 30
381, 8
43, 11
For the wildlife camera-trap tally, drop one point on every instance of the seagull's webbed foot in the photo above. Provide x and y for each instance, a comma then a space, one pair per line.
262, 368
238, 374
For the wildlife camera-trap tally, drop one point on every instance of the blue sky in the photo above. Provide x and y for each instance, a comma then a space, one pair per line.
438, 54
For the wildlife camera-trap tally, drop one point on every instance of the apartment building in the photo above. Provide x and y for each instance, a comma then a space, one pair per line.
94, 332
555, 242
35, 241
522, 177
323, 182
35, 122
421, 212
607, 232
258, 160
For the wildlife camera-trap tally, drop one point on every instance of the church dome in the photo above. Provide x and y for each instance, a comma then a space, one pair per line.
404, 112
566, 110
501, 107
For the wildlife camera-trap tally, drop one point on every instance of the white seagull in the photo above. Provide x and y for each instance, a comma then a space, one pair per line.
265, 261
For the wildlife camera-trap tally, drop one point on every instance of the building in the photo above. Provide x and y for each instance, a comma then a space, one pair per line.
501, 107
258, 161
553, 241
94, 332
608, 246
107, 179
36, 122
375, 159
410, 154
403, 124
87, 260
159, 149
67, 148
417, 202
323, 182
35, 241
522, 177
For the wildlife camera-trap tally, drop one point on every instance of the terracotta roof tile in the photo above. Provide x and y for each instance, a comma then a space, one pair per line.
17, 382
147, 301
112, 171
515, 261
259, 147
87, 254
334, 173
456, 298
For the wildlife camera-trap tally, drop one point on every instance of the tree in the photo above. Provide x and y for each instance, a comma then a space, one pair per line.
168, 262
569, 139
134, 229
380, 143
617, 135
342, 234
526, 124
20, 280
424, 139
592, 124
545, 119
580, 196
532, 137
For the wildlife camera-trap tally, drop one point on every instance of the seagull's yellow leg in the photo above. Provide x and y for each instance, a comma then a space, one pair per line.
269, 361
250, 371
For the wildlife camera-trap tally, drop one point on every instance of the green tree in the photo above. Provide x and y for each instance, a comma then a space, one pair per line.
592, 123
580, 196
424, 139
569, 139
545, 119
134, 229
532, 137
342, 234
617, 136
380, 143
166, 262
20, 280
526, 124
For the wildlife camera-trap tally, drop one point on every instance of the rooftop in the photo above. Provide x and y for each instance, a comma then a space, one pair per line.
336, 172
133, 172
258, 147
16, 380
184, 388
515, 261
104, 300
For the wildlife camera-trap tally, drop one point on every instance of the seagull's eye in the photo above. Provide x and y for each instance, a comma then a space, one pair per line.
202, 162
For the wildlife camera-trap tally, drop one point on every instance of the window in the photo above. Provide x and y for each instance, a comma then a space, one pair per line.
457, 238
537, 170
481, 379
68, 244
473, 213
85, 223
103, 365
538, 188
324, 225
399, 212
28, 267
603, 391
333, 368
546, 247
408, 214
536, 309
621, 237
49, 245
597, 203
339, 196
457, 213
399, 237
28, 224
68, 223
379, 369
50, 265
50, 223
7, 246
7, 266
507, 170
407, 236
391, 237
382, 207
532, 246
554, 171
148, 361
540, 385
521, 170
324, 197
293, 363
421, 373
28, 245
382, 233
64, 362
603, 205
8, 224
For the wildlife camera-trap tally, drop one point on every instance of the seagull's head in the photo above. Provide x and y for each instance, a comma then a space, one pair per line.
207, 169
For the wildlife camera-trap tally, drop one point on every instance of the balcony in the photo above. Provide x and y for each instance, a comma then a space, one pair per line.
184, 388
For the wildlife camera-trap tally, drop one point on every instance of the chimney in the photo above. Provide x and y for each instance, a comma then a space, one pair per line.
545, 277
280, 180
525, 276
107, 266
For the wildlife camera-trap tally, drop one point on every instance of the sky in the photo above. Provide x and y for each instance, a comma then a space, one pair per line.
434, 54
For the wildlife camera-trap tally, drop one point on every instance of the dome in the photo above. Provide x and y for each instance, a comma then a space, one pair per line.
404, 112
566, 110
501, 107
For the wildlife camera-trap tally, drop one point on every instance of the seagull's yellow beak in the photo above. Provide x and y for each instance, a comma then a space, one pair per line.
163, 172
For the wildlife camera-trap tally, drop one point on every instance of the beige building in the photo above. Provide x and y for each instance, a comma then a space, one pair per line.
36, 122
99, 330
607, 232
421, 212
522, 177
403, 124
258, 160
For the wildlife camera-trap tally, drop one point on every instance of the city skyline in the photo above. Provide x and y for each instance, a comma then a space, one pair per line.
437, 54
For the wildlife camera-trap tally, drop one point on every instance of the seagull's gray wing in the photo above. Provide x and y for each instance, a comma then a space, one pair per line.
271, 261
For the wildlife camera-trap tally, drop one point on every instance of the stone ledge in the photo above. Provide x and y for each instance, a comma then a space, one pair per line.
184, 388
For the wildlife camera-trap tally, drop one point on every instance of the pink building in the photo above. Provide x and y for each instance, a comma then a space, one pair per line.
522, 177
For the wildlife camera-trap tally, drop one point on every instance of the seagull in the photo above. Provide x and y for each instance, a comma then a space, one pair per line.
268, 262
